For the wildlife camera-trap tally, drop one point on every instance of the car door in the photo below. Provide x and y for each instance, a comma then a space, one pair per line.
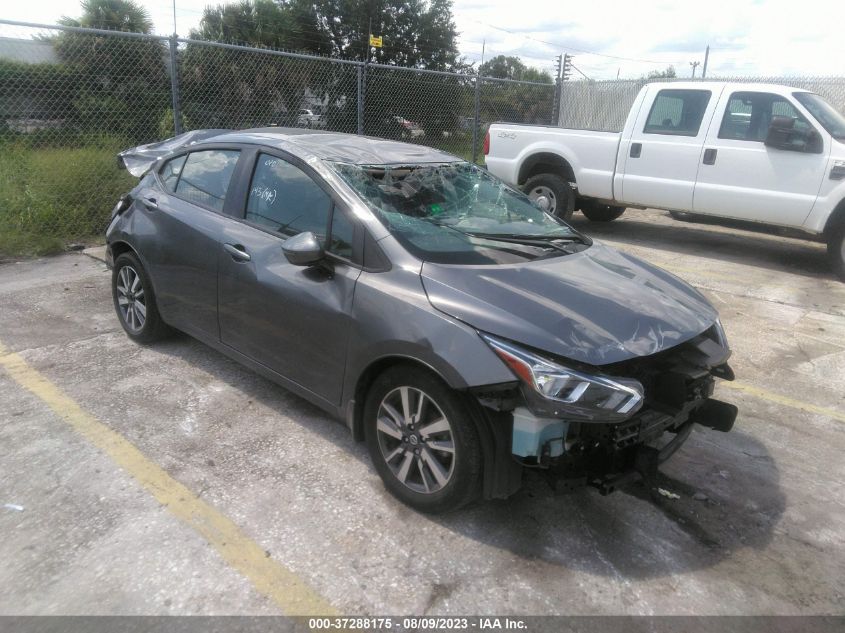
292, 319
741, 177
183, 221
665, 147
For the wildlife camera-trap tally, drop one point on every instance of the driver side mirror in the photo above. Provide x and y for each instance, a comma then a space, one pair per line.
303, 249
783, 135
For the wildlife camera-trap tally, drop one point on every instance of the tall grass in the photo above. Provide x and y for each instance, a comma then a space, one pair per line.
53, 195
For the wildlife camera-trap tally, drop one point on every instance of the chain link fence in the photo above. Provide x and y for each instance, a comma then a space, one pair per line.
71, 98
604, 105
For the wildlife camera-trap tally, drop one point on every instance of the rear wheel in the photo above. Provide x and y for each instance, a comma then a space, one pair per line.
836, 250
134, 301
551, 193
596, 212
422, 441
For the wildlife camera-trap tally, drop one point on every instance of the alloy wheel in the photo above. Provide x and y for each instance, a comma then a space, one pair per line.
130, 299
416, 440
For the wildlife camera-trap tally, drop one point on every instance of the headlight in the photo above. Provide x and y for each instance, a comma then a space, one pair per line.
567, 393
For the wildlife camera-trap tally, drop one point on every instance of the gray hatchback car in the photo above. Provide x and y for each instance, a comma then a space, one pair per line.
459, 329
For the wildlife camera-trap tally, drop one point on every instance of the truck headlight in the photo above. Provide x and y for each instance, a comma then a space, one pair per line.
569, 393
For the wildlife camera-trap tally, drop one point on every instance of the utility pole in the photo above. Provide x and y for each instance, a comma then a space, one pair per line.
706, 59
694, 66
555, 117
567, 67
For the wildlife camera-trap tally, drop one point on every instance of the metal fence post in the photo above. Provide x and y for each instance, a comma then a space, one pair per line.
555, 118
360, 100
174, 86
476, 119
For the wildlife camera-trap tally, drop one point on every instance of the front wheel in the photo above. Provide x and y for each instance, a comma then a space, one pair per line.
596, 212
422, 441
552, 194
836, 250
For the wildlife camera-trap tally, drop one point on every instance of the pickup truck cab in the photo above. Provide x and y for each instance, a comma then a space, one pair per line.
756, 152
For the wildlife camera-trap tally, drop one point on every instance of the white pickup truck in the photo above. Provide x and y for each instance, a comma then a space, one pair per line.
757, 152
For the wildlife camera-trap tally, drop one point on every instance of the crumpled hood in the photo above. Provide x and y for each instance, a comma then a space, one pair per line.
598, 306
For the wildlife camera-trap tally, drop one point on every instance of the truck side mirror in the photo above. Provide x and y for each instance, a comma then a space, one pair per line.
783, 135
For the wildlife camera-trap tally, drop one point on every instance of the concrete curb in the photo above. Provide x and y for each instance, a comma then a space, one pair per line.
96, 252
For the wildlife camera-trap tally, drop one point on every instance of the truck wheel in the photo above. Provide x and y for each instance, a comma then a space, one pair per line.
552, 193
596, 212
836, 250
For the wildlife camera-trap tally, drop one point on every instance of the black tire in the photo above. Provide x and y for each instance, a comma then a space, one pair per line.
153, 328
563, 204
596, 212
464, 464
836, 250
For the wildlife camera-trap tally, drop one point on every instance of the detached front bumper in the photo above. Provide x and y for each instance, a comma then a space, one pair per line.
607, 456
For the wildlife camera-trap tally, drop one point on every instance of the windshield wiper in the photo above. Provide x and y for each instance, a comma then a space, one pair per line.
532, 240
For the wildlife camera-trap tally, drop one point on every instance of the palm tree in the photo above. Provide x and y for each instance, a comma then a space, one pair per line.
116, 15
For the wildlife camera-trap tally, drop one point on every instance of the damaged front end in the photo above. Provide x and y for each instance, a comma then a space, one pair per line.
604, 428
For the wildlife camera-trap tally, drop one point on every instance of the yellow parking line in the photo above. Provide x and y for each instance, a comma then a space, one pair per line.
269, 577
784, 400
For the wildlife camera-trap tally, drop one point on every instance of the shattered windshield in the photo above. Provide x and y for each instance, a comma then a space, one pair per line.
459, 213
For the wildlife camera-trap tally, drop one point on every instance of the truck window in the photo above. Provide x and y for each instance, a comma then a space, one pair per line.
677, 112
748, 115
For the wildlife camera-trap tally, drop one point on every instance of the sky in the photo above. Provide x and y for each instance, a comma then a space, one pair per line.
607, 38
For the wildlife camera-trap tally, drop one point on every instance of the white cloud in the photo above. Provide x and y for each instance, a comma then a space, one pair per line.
767, 37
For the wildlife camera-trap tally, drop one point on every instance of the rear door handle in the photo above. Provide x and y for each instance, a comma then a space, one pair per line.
149, 202
237, 252
636, 150
710, 156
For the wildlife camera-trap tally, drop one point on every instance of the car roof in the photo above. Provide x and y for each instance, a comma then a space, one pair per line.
335, 146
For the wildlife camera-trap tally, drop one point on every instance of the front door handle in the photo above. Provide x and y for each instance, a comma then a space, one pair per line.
710, 156
636, 150
149, 203
237, 252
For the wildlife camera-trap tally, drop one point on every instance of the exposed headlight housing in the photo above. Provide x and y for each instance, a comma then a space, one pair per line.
557, 391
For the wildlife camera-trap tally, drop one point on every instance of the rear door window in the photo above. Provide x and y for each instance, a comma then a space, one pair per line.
677, 112
205, 177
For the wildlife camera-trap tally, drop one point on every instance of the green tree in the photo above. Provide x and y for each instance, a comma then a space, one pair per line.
518, 103
669, 73
226, 88
264, 24
122, 83
416, 33
511, 67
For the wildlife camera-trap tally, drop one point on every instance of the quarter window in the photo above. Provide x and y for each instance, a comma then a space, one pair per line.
748, 115
285, 199
677, 112
342, 233
170, 172
205, 177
